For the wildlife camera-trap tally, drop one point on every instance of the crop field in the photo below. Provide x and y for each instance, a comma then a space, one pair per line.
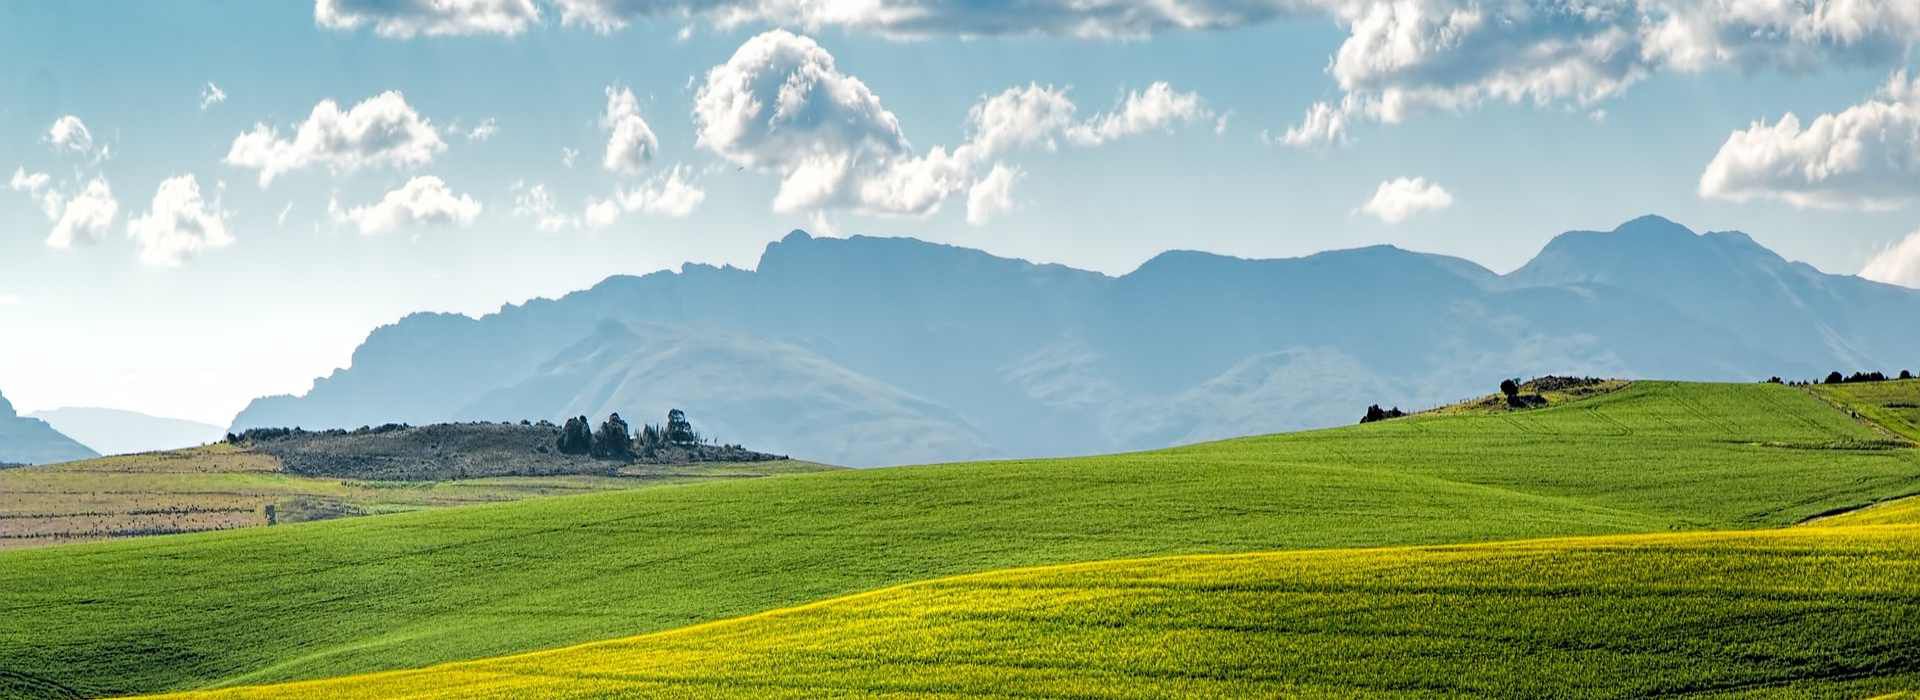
1804, 611
1894, 405
220, 487
414, 589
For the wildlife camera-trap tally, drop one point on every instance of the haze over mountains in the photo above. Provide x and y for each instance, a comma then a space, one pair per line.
111, 431
866, 351
26, 440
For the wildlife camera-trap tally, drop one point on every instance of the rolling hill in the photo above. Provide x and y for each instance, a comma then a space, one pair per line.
26, 440
1798, 612
414, 589
111, 431
922, 352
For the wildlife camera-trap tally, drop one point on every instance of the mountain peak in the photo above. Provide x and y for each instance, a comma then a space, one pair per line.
1652, 225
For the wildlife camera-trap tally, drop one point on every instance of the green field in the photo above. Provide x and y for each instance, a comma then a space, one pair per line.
1831, 611
222, 487
413, 589
1894, 405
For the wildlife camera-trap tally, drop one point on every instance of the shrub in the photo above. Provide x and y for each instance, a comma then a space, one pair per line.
1836, 378
1509, 388
613, 440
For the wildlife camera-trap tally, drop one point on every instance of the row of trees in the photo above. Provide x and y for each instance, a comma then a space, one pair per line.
1855, 378
615, 439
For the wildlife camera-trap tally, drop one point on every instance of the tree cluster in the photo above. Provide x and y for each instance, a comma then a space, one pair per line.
1375, 414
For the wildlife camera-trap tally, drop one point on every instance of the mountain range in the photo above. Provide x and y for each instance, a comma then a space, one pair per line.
26, 440
866, 351
112, 431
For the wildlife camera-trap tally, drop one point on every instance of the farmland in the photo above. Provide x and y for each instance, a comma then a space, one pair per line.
414, 589
221, 487
1831, 611
1894, 405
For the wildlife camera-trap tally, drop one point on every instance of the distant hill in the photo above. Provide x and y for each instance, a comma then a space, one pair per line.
113, 432
870, 351
30, 441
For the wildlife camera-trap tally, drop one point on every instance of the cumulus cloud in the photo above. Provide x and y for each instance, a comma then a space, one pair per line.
1404, 56
179, 225
669, 195
82, 218
381, 131
1158, 108
1864, 157
69, 134
403, 19
782, 105
85, 217
1899, 264
211, 95
1399, 199
917, 18
423, 201
992, 195
631, 144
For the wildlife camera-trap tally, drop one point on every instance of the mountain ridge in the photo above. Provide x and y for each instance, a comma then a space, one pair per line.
990, 356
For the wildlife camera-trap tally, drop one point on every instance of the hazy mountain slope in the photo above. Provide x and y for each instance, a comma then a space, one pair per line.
112, 431
987, 356
738, 389
31, 441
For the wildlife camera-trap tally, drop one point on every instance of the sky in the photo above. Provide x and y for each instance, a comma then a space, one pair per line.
208, 202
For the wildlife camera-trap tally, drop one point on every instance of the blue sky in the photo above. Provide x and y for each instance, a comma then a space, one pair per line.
192, 304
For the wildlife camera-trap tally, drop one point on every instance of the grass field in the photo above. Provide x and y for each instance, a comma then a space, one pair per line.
1801, 611
1894, 405
221, 487
413, 589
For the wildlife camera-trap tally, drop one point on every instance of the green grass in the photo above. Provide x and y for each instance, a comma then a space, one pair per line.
413, 589
1895, 405
1794, 612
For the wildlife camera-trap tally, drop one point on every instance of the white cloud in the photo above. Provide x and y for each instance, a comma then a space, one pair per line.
84, 218
1899, 264
1399, 199
12, 300
31, 183
568, 156
668, 195
1158, 108
179, 225
1864, 157
380, 131
71, 135
536, 203
211, 95
917, 18
281, 220
782, 105
992, 195
631, 144
482, 131
423, 201
402, 19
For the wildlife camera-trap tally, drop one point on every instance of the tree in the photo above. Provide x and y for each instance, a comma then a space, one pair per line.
1836, 378
1906, 374
1374, 414
679, 430
1510, 388
576, 438
613, 441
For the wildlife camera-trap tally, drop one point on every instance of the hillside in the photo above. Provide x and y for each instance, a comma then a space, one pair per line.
414, 589
305, 477
869, 351
115, 432
1803, 612
26, 440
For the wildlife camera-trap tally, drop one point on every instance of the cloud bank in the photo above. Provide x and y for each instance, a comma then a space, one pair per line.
1864, 157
